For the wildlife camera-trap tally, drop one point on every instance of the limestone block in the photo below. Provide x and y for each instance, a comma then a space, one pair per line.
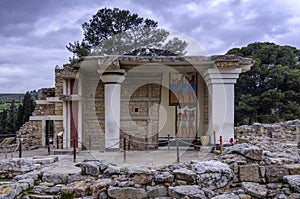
78, 189
112, 170
141, 175
163, 177
227, 196
275, 173
91, 167
126, 193
157, 191
249, 173
255, 189
249, 151
293, 181
293, 168
191, 191
54, 177
212, 174
186, 175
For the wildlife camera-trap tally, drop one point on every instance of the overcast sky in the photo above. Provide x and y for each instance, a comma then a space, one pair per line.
34, 33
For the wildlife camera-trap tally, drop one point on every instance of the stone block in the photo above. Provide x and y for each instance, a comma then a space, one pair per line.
126, 193
186, 192
249, 173
185, 175
163, 177
157, 191
275, 173
212, 174
293, 181
255, 189
293, 168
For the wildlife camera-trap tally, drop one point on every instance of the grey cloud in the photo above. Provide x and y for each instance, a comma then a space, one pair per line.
34, 33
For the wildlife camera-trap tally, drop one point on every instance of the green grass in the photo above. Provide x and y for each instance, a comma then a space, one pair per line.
6, 106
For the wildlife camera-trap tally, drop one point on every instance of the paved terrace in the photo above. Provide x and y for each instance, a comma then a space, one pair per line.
158, 157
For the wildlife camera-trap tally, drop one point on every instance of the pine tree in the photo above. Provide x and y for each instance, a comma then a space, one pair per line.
117, 32
28, 107
269, 92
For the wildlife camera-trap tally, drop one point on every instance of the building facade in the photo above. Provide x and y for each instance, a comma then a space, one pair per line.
100, 100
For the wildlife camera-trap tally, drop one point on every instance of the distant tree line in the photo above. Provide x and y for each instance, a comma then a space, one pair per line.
270, 91
13, 118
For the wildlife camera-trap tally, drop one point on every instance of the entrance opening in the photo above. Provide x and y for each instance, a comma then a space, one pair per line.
49, 132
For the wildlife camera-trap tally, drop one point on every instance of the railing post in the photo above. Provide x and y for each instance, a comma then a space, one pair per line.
48, 145
215, 142
74, 150
221, 145
129, 142
20, 148
168, 142
124, 148
177, 148
90, 143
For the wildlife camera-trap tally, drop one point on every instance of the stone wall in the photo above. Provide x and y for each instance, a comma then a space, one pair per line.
284, 131
135, 118
93, 113
31, 133
32, 130
263, 166
139, 110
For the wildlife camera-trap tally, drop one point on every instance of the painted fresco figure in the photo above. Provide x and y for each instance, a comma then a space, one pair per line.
179, 119
184, 123
191, 121
185, 89
192, 89
180, 94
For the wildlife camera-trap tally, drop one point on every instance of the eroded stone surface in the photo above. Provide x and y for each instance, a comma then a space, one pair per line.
191, 191
126, 193
247, 150
212, 174
186, 175
255, 189
293, 181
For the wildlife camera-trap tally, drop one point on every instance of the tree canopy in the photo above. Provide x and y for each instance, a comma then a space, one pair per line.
12, 119
118, 32
269, 92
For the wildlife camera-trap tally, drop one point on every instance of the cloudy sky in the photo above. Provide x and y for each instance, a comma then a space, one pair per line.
34, 33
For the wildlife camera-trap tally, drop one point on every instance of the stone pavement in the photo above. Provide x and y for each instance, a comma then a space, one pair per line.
152, 157
158, 157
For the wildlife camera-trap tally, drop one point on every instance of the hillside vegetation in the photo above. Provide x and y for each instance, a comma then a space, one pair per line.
13, 113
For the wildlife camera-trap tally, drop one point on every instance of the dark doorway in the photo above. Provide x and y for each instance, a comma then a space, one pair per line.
49, 132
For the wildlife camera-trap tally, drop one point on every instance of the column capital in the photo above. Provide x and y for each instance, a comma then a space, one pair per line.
221, 76
112, 76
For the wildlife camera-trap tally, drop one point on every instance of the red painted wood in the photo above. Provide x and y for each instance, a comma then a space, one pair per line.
74, 122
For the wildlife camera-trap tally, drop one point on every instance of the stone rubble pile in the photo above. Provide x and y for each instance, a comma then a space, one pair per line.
30, 133
262, 166
17, 166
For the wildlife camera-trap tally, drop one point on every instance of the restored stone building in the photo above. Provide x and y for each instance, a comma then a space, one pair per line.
101, 99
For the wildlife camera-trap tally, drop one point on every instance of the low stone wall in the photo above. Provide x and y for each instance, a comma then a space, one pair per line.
243, 171
285, 131
263, 166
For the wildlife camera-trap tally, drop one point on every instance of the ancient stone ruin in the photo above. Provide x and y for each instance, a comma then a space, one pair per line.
262, 166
